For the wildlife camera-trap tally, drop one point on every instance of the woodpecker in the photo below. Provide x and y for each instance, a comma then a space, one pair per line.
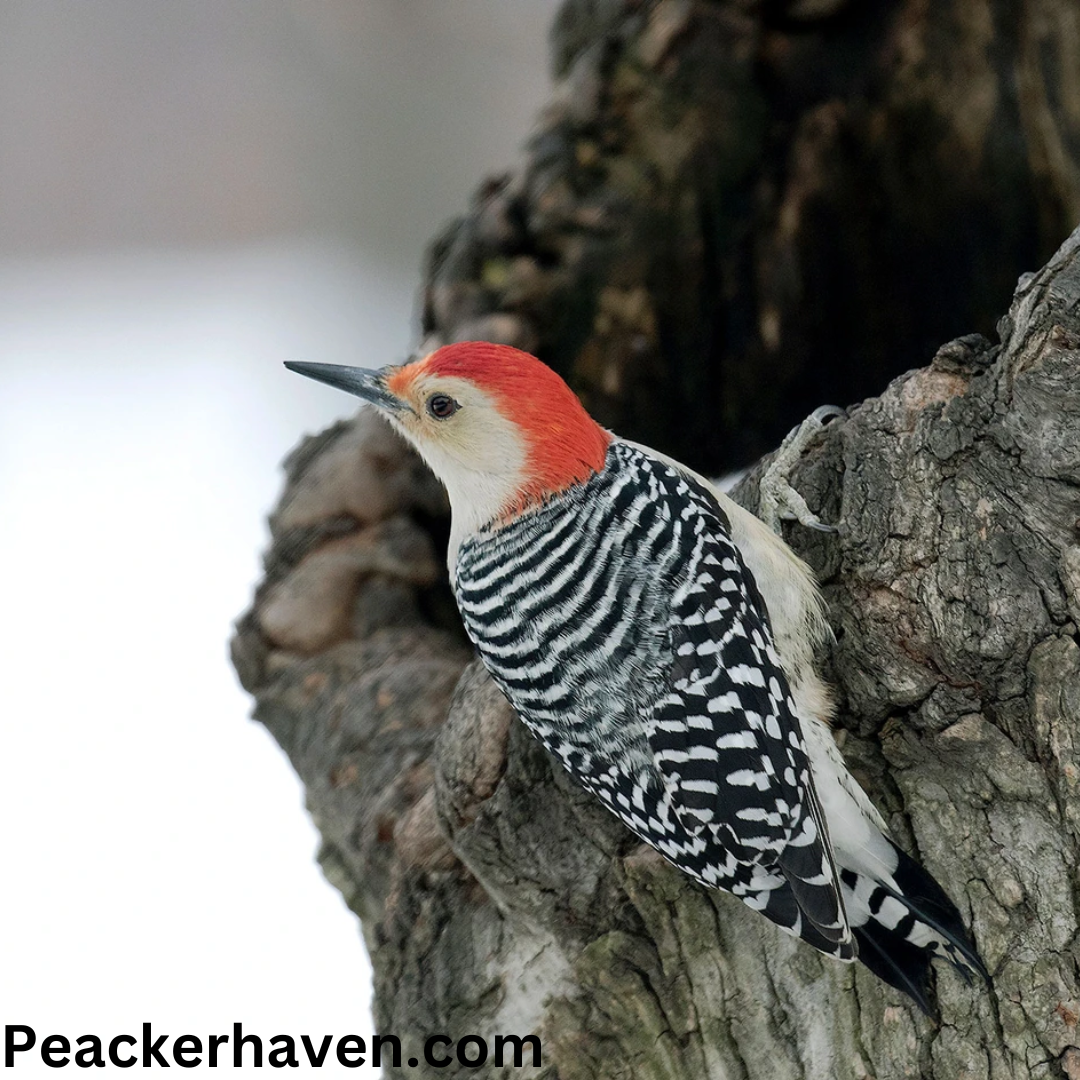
659, 641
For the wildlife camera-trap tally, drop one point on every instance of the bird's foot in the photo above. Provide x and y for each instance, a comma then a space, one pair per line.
778, 500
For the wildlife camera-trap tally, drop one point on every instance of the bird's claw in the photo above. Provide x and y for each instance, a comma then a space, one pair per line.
778, 500
822, 415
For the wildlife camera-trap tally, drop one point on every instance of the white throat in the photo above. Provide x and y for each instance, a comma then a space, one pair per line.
482, 467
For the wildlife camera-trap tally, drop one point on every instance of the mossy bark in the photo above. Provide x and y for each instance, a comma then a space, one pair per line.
731, 212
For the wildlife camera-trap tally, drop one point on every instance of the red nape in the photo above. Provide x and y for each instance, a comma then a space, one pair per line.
566, 445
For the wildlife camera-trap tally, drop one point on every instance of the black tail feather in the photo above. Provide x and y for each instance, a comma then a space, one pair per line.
897, 962
928, 902
888, 952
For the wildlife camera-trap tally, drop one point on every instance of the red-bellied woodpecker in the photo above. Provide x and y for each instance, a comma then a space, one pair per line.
659, 641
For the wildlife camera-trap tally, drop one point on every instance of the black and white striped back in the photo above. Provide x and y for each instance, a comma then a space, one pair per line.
622, 624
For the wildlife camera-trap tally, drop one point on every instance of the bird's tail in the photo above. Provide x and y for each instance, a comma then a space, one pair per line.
900, 916
904, 923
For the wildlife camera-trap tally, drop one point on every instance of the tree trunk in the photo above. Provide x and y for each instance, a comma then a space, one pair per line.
728, 204
737, 203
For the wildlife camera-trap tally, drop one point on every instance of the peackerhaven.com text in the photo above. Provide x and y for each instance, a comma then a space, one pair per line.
22, 1045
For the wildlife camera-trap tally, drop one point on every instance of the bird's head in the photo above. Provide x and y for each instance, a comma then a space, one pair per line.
499, 428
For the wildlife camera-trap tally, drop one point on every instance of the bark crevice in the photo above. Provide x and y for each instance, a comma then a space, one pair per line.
687, 242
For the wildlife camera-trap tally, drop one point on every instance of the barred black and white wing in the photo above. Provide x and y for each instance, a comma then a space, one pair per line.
728, 742
624, 627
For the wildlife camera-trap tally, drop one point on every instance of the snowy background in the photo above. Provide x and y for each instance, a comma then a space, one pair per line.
191, 193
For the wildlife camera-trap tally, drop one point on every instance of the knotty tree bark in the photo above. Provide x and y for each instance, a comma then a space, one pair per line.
731, 212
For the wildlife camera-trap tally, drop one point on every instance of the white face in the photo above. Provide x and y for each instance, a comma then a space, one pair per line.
471, 447
455, 406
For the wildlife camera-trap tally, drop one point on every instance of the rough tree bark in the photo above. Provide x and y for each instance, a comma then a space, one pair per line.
768, 205
703, 166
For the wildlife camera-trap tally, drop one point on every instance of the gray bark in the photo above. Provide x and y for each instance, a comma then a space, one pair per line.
725, 203
497, 898
667, 196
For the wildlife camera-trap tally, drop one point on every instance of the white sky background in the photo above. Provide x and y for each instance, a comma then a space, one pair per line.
157, 860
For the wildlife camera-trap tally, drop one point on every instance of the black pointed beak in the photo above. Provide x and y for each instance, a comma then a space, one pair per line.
369, 385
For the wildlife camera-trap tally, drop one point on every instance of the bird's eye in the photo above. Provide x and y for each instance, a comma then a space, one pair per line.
441, 406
